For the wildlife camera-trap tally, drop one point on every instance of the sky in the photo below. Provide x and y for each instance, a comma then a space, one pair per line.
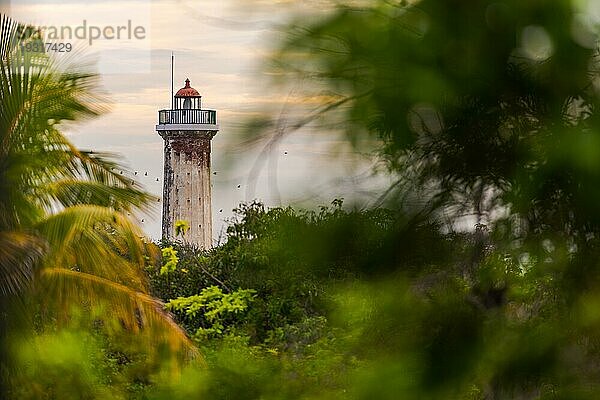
222, 46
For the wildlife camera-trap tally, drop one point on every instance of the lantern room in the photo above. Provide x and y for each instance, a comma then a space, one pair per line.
187, 98
187, 110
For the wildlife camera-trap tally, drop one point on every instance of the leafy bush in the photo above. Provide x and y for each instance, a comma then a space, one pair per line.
212, 309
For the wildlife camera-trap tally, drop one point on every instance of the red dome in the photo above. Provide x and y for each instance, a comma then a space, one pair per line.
187, 91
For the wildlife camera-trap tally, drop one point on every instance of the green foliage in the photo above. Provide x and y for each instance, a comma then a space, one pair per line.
476, 107
170, 260
181, 227
58, 366
297, 322
213, 308
285, 255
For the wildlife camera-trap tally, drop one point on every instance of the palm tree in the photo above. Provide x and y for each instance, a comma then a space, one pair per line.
63, 225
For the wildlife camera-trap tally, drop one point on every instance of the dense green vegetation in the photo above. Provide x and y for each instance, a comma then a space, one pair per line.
478, 278
279, 311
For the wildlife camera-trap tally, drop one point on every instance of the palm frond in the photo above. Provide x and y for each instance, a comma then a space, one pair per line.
97, 257
63, 286
19, 252
72, 192
96, 240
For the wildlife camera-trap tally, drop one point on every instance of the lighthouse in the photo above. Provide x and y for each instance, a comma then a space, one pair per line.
187, 131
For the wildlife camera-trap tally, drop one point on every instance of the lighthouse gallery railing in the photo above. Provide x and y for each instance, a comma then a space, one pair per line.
187, 116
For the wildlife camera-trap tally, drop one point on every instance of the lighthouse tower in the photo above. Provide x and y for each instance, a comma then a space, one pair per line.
187, 130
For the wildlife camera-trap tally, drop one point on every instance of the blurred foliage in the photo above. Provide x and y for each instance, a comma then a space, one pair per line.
486, 112
479, 106
59, 366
